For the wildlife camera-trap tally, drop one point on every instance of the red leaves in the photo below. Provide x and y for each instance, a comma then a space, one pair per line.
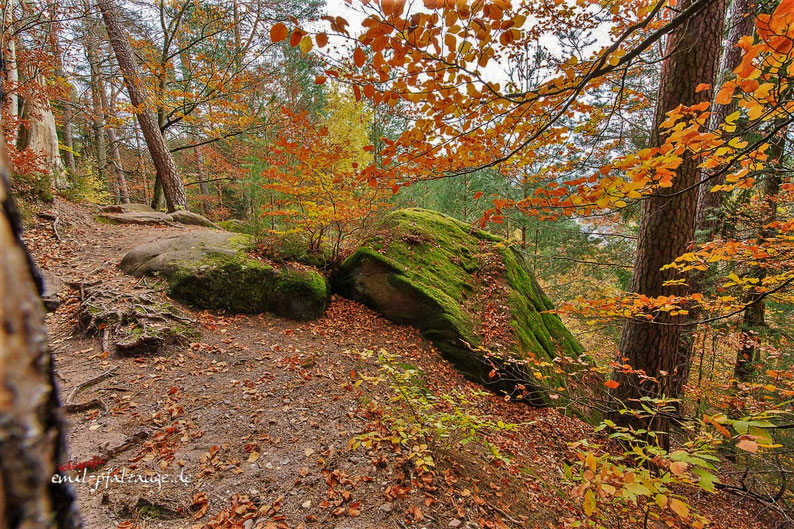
359, 58
279, 32
612, 384
200, 505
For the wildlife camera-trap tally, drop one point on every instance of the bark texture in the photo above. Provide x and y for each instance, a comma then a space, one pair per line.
667, 224
10, 75
108, 108
740, 23
31, 428
173, 188
40, 135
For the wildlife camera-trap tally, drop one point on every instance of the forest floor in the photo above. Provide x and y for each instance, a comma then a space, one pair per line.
257, 412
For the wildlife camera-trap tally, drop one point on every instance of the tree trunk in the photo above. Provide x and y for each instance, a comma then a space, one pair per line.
11, 74
667, 224
40, 135
121, 181
173, 188
66, 128
97, 112
740, 24
204, 187
31, 426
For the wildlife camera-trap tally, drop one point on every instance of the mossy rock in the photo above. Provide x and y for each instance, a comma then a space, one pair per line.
469, 292
211, 270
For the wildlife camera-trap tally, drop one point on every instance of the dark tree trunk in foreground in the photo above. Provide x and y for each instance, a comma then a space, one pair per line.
667, 226
31, 434
173, 188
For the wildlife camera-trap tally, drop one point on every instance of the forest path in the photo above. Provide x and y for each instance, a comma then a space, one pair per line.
257, 414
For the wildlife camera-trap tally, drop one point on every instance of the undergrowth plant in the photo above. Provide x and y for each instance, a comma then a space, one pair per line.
636, 477
427, 426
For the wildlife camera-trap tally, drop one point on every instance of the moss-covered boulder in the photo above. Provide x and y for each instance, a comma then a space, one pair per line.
471, 293
211, 270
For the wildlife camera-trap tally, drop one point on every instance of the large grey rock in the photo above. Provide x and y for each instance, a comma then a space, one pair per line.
146, 218
210, 269
166, 256
151, 217
190, 218
127, 208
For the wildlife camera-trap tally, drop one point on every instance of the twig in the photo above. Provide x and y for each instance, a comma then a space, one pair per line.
55, 228
90, 382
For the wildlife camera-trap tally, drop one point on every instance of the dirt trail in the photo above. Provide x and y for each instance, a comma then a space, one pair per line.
256, 416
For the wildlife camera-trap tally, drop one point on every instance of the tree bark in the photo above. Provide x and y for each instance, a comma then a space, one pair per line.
40, 135
66, 128
173, 187
740, 23
31, 425
667, 224
97, 112
11, 75
108, 109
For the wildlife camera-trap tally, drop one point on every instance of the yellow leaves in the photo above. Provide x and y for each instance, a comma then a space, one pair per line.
590, 461
661, 500
720, 428
701, 87
589, 503
679, 507
306, 44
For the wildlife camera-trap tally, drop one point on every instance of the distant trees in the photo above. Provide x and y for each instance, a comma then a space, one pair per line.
173, 188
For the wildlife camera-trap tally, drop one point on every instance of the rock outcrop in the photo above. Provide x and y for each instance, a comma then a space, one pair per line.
211, 269
144, 215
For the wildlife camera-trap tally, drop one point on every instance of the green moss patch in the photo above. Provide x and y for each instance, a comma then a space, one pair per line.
211, 270
468, 291
240, 284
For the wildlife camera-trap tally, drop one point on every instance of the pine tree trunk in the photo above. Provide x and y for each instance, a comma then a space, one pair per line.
740, 23
31, 426
667, 224
173, 187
